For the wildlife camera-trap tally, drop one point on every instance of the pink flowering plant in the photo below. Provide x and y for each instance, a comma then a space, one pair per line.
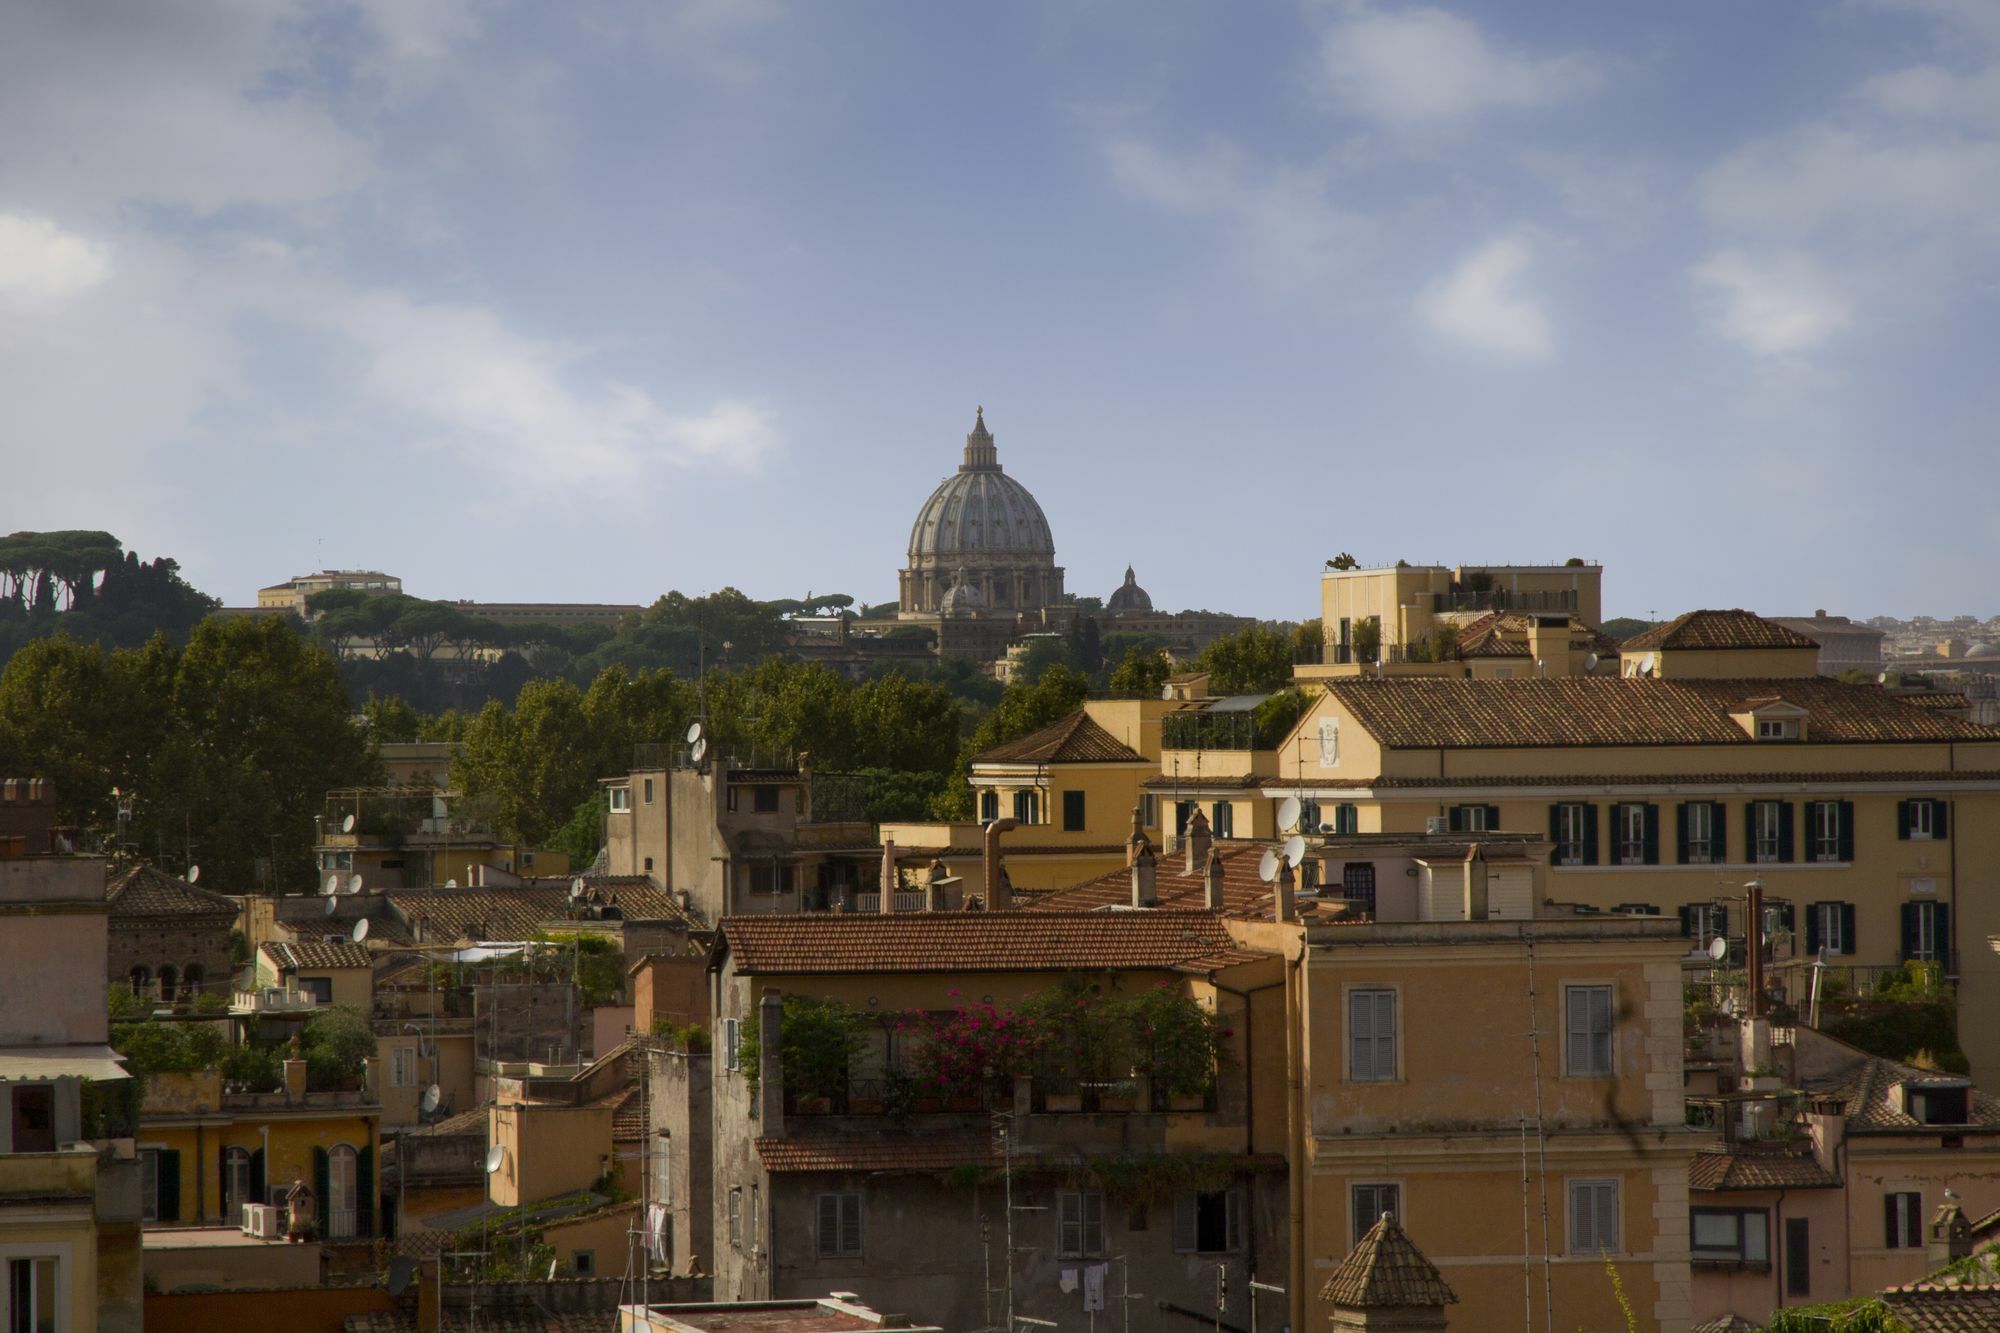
1175, 1039
962, 1051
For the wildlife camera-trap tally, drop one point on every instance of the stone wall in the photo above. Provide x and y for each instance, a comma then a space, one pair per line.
178, 943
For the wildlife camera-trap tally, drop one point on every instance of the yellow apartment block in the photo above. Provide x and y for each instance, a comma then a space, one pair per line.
1409, 603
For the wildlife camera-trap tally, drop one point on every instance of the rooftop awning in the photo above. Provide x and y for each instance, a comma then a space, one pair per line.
34, 1064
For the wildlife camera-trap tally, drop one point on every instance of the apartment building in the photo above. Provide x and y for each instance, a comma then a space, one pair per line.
1392, 614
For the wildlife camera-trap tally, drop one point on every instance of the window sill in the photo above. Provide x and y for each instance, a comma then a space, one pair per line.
1730, 1265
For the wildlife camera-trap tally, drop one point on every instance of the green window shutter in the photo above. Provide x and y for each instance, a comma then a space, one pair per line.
1903, 821
1184, 1224
1652, 834
1492, 825
258, 1190
1787, 849
1681, 832
1909, 930
1687, 921
1590, 835
1846, 852
1722, 921
170, 1184
1718, 825
1847, 927
1940, 819
1749, 830
1455, 819
364, 1192
1812, 928
1556, 823
1942, 919
322, 1186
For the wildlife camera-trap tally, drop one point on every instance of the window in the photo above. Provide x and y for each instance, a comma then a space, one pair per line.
764, 800
1773, 729
1079, 1224
1072, 811
1573, 829
34, 1117
1222, 819
1357, 883
402, 1066
621, 800
1593, 1216
320, 988
1183, 812
1024, 807
236, 1184
1830, 825
33, 1294
1371, 1036
1829, 926
149, 1184
1149, 810
1638, 834
646, 791
1474, 818
1369, 1202
771, 877
1941, 1106
736, 1217
1798, 1257
989, 806
732, 1037
649, 865
1587, 1023
1701, 833
1729, 1235
1704, 922
1770, 831
341, 1196
527, 862
1208, 1223
1308, 815
1347, 818
1903, 1220
586, 1263
839, 1231
1926, 932
1920, 819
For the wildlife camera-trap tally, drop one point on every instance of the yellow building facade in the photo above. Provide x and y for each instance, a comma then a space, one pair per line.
1410, 603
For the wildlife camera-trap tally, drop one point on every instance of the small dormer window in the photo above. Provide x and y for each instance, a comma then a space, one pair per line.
1775, 729
1941, 1106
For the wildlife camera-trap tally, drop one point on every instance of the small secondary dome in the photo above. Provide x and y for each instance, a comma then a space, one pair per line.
1130, 598
1983, 650
961, 598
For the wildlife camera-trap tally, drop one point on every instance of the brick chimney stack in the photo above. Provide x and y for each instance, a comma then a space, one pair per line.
1288, 903
1197, 843
1212, 882
1138, 838
1145, 884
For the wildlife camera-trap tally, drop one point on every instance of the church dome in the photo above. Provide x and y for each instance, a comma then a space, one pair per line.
980, 511
1130, 599
961, 598
1983, 650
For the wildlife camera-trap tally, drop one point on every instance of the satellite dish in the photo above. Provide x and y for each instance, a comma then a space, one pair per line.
1718, 948
347, 824
1267, 866
1295, 850
361, 930
1648, 663
576, 887
496, 1156
1288, 812
552, 1269
1590, 662
332, 905
401, 1271
194, 873
700, 749
354, 883
333, 884
451, 884
432, 1096
693, 732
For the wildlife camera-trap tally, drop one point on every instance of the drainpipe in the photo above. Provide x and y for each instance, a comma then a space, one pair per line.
1295, 1112
997, 898
1778, 1247
1249, 1089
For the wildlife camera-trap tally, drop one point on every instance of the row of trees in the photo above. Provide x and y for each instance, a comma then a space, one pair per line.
87, 585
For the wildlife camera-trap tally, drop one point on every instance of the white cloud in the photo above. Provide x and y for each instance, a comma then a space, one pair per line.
1479, 303
1287, 230
1426, 67
39, 260
1774, 307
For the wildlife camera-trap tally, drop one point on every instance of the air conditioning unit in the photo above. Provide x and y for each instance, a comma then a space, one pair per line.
1436, 824
1326, 829
261, 1220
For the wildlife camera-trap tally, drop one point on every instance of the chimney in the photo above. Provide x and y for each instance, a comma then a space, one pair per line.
1138, 838
1287, 905
1145, 886
295, 1080
1197, 843
1950, 1236
999, 894
770, 1065
888, 886
1213, 877
1549, 644
938, 870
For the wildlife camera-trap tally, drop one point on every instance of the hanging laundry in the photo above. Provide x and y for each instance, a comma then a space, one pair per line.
1068, 1280
1093, 1286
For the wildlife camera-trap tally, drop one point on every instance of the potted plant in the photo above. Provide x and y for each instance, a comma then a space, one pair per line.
1121, 1096
1177, 1042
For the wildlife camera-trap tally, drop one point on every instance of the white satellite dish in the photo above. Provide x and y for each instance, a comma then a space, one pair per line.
451, 884
432, 1096
1590, 662
347, 824
700, 749
1288, 812
354, 883
1267, 866
1648, 663
194, 873
1718, 948
361, 930
496, 1156
693, 732
332, 905
333, 884
1295, 850
576, 887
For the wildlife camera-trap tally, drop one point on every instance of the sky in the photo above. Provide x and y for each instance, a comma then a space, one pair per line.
589, 301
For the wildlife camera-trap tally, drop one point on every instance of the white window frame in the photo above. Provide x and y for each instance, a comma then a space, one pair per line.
1773, 729
1222, 819
1749, 1245
343, 1192
1631, 834
1825, 830
1472, 819
1830, 921
403, 1066
1586, 1232
1572, 824
36, 1252
1383, 1196
620, 802
1079, 1224
843, 1240
1768, 835
1701, 833
732, 1041
1583, 1007
1365, 1049
1923, 820
1702, 919
1908, 1233
646, 790
1924, 942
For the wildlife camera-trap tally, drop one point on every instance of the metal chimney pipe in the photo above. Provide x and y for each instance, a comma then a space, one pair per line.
997, 897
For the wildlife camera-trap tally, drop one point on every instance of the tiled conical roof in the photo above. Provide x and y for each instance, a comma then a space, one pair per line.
1386, 1271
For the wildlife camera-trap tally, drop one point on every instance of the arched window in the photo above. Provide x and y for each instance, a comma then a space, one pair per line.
236, 1184
141, 977
167, 981
342, 1196
191, 978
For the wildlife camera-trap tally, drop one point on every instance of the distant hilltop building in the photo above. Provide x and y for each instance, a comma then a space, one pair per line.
292, 593
1843, 645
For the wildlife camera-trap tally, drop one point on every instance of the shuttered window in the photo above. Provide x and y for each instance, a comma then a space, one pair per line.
1369, 1202
1593, 1216
1079, 1224
1587, 1019
1371, 1036
1208, 1223
839, 1229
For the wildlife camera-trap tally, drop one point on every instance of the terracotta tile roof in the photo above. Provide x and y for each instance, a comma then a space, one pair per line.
1428, 712
875, 1152
628, 1114
145, 891
1243, 893
517, 913
1866, 1082
469, 1123
1944, 699
1386, 1271
1215, 962
1727, 1323
1933, 1307
291, 956
1711, 630
1822, 777
1017, 941
489, 1321
1076, 739
1207, 781
1759, 1167
1505, 634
